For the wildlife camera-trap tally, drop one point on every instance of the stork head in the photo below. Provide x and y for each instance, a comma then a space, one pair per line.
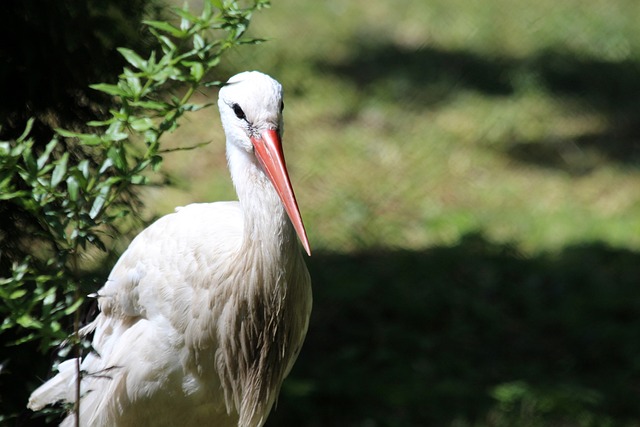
251, 107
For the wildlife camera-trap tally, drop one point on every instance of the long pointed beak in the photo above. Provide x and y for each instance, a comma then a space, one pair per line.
268, 149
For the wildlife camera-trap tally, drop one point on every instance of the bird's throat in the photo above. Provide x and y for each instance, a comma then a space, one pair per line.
267, 228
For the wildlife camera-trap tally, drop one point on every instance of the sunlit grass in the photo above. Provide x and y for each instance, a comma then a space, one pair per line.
468, 172
405, 163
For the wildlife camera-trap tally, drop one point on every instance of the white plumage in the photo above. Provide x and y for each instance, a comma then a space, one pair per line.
204, 314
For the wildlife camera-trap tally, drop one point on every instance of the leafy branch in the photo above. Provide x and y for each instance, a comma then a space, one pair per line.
76, 201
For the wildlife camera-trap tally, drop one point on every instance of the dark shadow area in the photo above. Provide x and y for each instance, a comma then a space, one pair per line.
613, 88
402, 338
52, 52
581, 155
609, 85
424, 338
24, 366
428, 76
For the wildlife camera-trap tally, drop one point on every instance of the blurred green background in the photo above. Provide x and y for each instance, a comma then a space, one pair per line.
410, 124
469, 175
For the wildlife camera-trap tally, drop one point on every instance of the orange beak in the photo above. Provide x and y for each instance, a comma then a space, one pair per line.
268, 149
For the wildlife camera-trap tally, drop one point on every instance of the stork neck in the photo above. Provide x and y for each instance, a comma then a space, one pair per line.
267, 227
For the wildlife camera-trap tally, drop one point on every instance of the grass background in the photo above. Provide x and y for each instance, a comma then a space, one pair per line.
468, 172
409, 124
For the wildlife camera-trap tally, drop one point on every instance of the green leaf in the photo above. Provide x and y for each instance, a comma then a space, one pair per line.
97, 123
166, 27
55, 326
14, 195
67, 133
19, 293
150, 105
84, 138
114, 132
166, 73
105, 165
195, 107
44, 157
26, 321
99, 201
18, 149
110, 89
133, 58
73, 307
83, 167
187, 18
27, 130
72, 188
142, 124
49, 296
247, 41
198, 42
30, 162
60, 170
5, 148
197, 71
168, 47
156, 162
213, 62
90, 139
118, 157
139, 179
151, 137
207, 11
133, 82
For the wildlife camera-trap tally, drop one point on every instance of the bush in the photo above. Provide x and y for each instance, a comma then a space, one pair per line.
65, 204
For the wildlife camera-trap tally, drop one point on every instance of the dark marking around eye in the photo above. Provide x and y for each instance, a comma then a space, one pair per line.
281, 106
238, 111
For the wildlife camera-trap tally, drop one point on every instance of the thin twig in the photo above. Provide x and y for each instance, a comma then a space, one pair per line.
187, 148
78, 347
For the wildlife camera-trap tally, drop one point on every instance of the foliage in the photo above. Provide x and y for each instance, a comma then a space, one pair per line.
78, 204
56, 50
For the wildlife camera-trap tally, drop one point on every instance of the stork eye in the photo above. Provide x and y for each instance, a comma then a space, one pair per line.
281, 106
238, 111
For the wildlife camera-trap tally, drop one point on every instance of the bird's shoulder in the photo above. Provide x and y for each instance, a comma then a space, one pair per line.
172, 257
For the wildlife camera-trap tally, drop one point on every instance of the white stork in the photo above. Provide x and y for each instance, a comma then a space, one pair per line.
204, 314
